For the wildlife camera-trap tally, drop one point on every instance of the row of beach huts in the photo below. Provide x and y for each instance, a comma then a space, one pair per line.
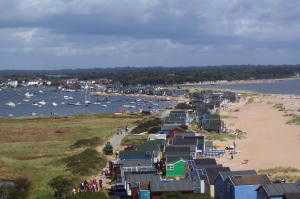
180, 161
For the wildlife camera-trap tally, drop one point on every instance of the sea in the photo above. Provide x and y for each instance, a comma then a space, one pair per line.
284, 87
49, 101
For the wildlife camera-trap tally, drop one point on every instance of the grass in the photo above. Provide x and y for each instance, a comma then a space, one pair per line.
213, 136
134, 140
35, 147
290, 174
294, 120
86, 163
279, 107
89, 142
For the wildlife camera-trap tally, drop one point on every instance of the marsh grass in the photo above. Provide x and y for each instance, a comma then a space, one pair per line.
36, 147
294, 120
290, 174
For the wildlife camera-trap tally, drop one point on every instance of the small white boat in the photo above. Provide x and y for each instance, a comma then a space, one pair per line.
54, 104
87, 102
33, 114
68, 97
104, 105
26, 100
42, 103
97, 103
11, 104
28, 95
63, 103
77, 104
10, 115
35, 104
40, 91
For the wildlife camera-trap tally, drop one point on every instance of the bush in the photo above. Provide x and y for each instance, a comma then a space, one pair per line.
86, 163
90, 142
17, 190
154, 129
183, 106
91, 195
62, 186
146, 124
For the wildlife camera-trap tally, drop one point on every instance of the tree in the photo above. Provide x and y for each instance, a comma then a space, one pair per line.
62, 186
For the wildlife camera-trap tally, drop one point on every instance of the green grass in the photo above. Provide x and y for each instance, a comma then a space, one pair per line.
35, 147
290, 174
212, 136
279, 107
294, 120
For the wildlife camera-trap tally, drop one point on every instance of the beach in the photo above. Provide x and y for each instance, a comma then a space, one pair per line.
270, 141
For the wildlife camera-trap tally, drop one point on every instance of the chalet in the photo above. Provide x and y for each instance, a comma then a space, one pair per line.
176, 159
196, 144
177, 118
211, 174
244, 186
220, 182
291, 195
212, 122
277, 190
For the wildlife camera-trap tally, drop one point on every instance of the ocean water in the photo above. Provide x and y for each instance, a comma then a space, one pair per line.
286, 87
50, 101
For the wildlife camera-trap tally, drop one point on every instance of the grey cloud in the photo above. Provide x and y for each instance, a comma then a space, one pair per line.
148, 32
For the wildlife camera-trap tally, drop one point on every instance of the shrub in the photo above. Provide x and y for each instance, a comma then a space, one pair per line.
62, 186
146, 124
89, 142
88, 162
17, 189
91, 195
154, 129
183, 106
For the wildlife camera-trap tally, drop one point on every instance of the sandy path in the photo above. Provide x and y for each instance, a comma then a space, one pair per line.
270, 141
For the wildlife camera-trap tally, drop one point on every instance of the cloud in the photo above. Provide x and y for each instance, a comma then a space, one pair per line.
147, 32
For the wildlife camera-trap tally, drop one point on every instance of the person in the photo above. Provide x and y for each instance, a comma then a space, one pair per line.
100, 183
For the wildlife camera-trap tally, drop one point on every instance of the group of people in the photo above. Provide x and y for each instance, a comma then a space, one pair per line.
93, 185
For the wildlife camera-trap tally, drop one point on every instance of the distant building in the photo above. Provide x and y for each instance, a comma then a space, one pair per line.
13, 84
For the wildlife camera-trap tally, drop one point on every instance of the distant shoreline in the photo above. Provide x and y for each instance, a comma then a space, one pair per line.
250, 81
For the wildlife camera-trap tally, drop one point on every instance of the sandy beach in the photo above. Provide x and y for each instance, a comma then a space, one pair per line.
270, 141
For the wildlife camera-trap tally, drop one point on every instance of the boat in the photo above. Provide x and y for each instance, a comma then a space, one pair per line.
28, 95
42, 103
54, 104
77, 104
97, 103
26, 100
40, 91
33, 114
63, 103
104, 105
68, 97
11, 104
87, 102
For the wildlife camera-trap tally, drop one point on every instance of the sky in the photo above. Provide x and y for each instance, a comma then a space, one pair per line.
54, 34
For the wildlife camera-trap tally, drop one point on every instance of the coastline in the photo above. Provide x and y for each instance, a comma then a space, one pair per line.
249, 81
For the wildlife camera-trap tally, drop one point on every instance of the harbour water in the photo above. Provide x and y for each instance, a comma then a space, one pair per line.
284, 87
47, 101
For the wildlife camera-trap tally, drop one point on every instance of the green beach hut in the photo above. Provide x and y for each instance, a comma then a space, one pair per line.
176, 168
